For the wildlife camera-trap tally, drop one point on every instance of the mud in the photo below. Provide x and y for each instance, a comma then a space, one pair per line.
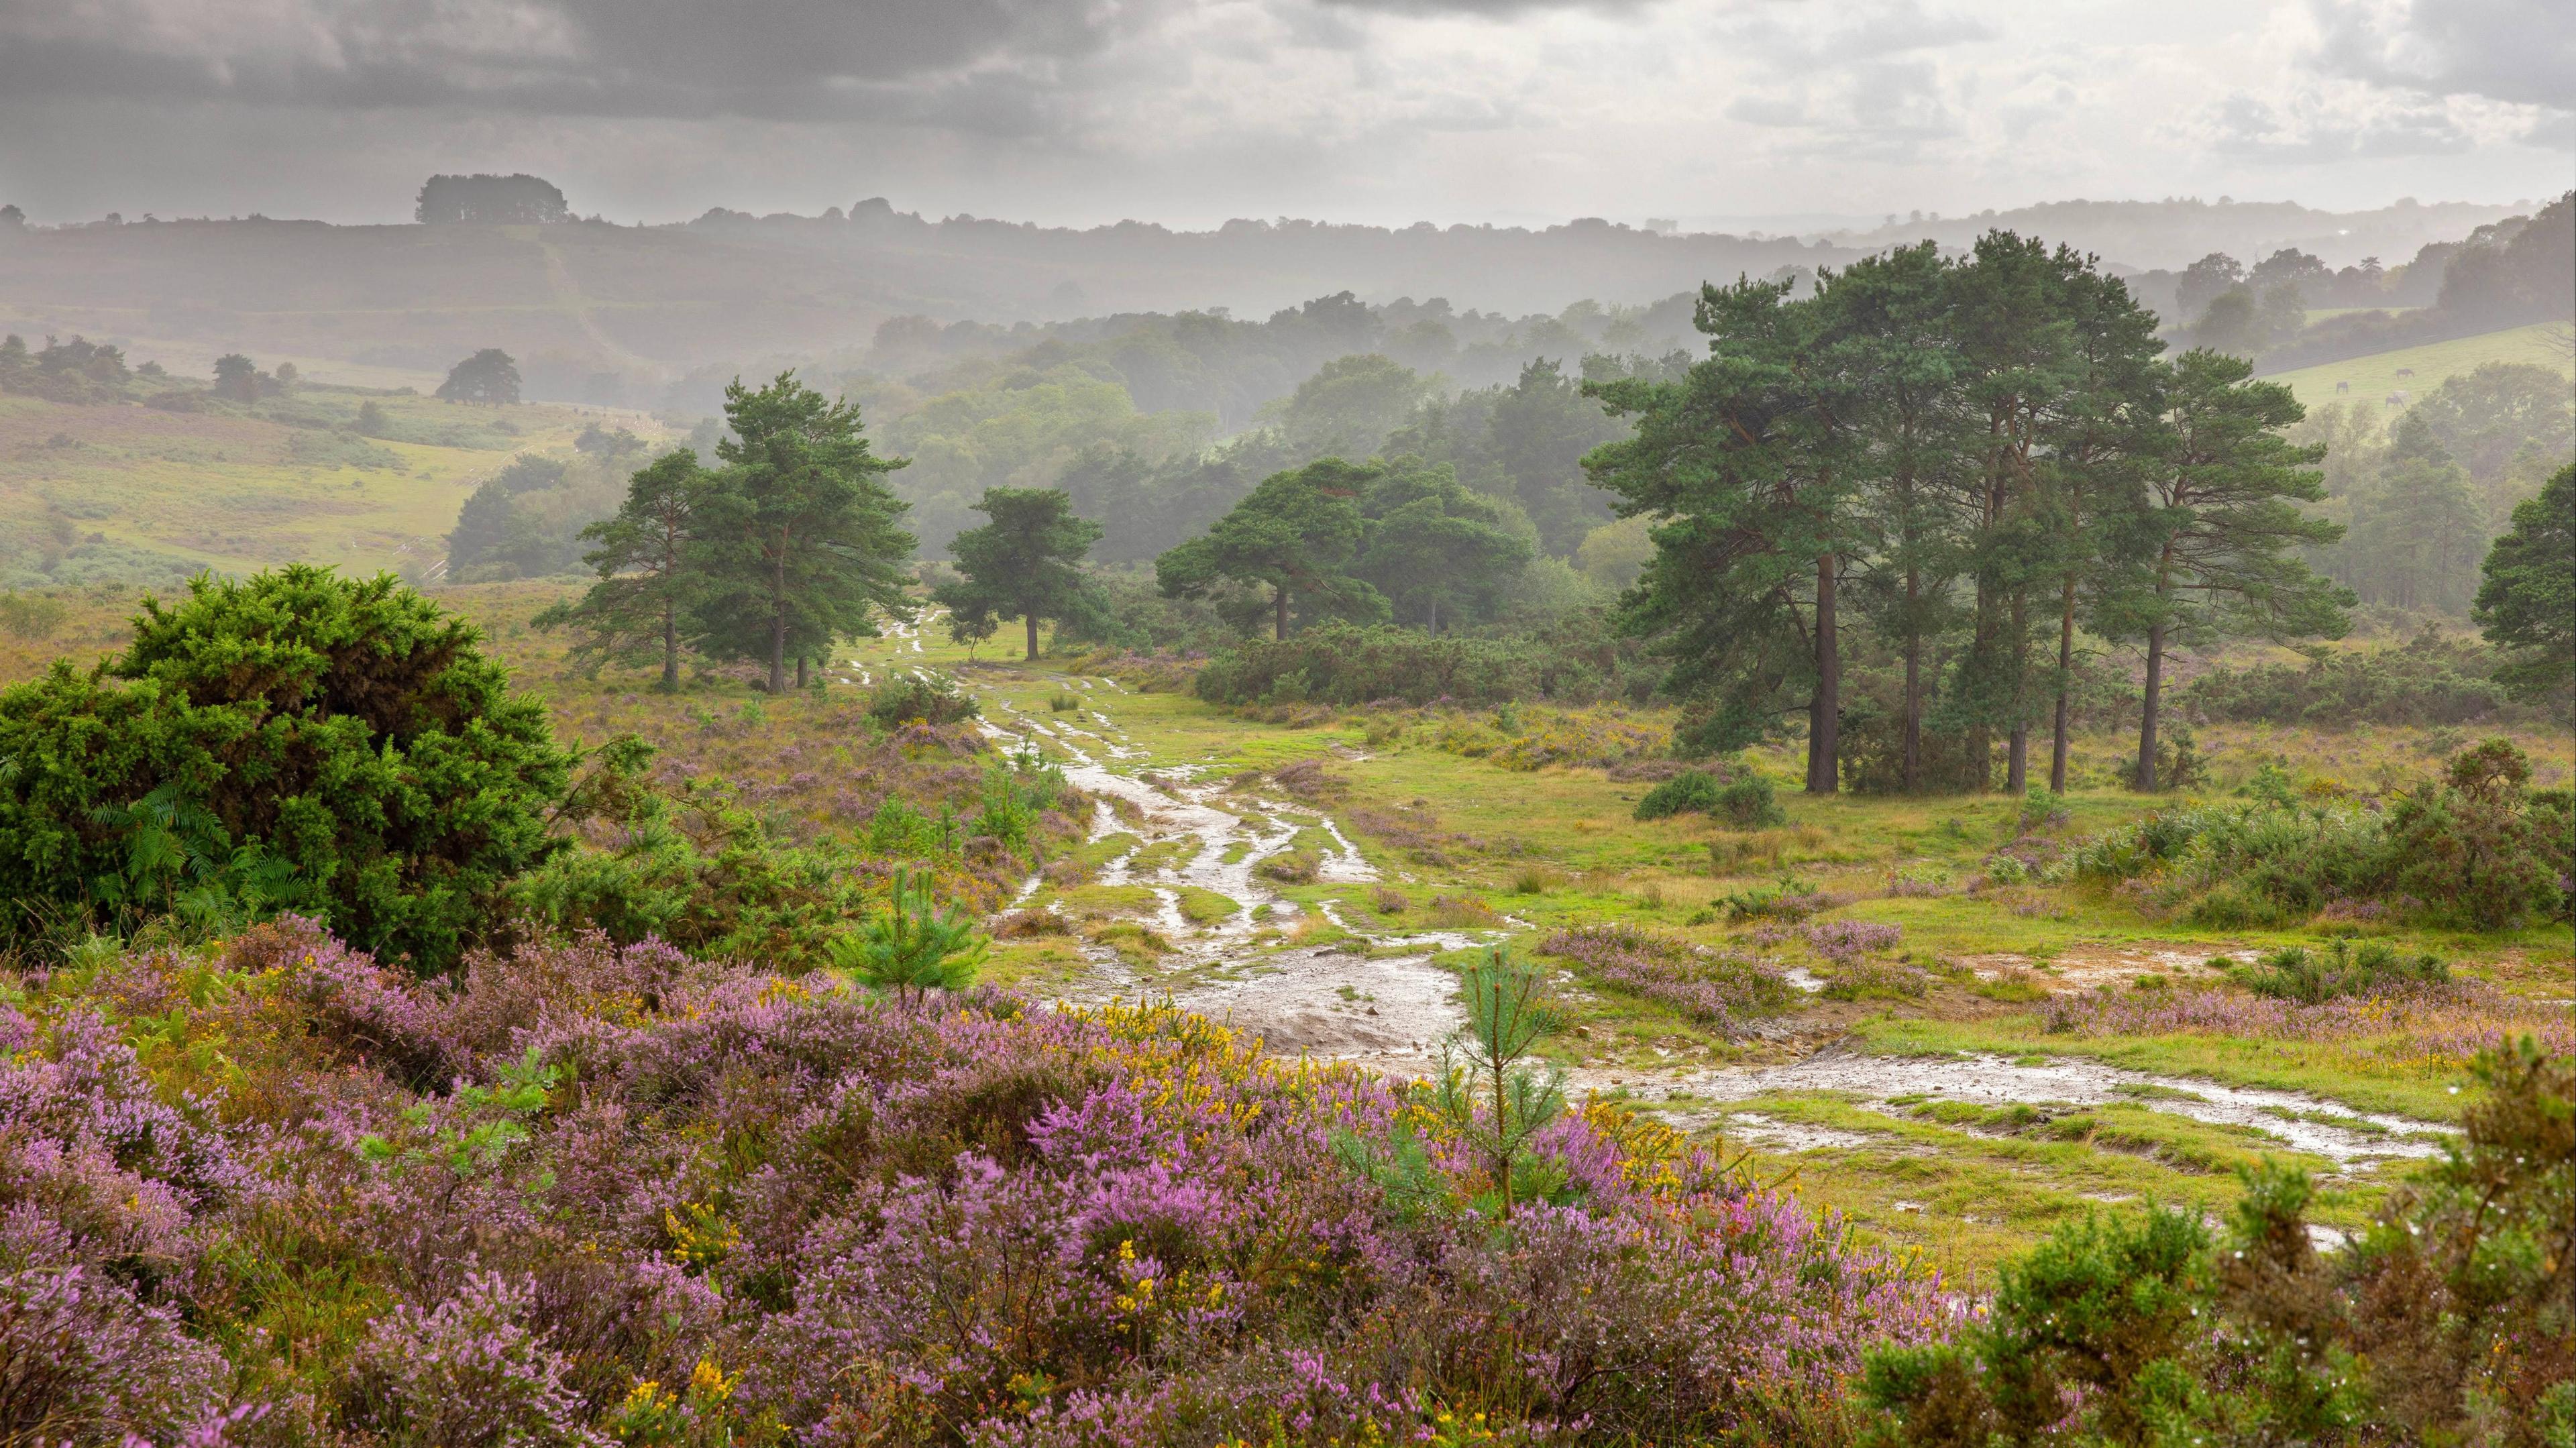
1380, 1001
2072, 1081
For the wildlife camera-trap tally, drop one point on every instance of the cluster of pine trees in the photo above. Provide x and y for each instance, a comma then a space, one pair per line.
1973, 466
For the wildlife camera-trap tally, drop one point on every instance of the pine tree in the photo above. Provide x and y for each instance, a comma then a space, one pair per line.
2220, 536
649, 566
1026, 564
803, 539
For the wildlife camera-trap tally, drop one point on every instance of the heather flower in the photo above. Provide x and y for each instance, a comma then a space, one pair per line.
82, 1359
467, 1374
1712, 987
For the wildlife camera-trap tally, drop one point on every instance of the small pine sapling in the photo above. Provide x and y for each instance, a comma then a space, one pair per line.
911, 947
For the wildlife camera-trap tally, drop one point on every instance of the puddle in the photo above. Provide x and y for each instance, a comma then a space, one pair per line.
1382, 1003
1999, 1081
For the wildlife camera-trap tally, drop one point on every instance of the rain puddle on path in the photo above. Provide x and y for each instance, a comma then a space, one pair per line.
1388, 1012
2297, 1122
1382, 1003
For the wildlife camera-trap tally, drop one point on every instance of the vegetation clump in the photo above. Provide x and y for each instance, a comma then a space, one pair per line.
292, 740
2450, 1320
2477, 847
1738, 797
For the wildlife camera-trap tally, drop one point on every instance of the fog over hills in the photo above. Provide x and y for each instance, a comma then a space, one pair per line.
607, 310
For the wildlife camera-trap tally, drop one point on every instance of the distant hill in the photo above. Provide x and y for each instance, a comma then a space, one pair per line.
2172, 234
602, 313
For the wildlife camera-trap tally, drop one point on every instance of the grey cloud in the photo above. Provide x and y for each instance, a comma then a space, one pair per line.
786, 59
1491, 9
2247, 127
2507, 50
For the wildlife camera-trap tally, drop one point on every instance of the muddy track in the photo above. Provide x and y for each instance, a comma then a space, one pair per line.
1381, 1000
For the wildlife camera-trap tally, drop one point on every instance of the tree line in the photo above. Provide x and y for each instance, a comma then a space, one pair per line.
1960, 480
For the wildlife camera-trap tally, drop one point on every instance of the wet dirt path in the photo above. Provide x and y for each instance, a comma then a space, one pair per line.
1381, 1001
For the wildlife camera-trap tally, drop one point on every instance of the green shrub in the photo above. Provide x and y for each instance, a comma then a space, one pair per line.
2431, 680
2476, 846
929, 699
2450, 1321
1748, 802
2296, 973
1577, 660
1692, 792
293, 740
1739, 797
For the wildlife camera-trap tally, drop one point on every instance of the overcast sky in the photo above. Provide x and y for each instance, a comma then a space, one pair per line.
1192, 111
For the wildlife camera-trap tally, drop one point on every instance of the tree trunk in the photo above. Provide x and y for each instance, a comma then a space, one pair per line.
2147, 712
1435, 613
1031, 618
1913, 685
670, 649
1282, 626
800, 673
1824, 711
778, 618
2065, 682
2017, 751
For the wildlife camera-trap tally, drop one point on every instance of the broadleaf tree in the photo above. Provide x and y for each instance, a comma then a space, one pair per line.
1025, 564
1438, 549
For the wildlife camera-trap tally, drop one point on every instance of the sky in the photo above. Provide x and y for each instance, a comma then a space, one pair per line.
1734, 113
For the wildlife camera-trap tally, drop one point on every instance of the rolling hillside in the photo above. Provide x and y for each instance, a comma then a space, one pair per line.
2378, 376
139, 495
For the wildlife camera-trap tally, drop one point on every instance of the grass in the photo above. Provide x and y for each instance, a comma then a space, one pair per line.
2374, 377
134, 492
1466, 844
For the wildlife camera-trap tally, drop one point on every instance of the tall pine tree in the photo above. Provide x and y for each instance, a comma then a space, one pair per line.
804, 540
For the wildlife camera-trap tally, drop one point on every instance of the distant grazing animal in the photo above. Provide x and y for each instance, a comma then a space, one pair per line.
2343, 387
2397, 398
2405, 371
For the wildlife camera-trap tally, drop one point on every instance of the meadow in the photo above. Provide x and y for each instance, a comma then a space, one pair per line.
2375, 378
122, 493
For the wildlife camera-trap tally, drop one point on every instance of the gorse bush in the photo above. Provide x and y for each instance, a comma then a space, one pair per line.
920, 699
2476, 847
2452, 1320
2296, 973
585, 1191
295, 739
1739, 797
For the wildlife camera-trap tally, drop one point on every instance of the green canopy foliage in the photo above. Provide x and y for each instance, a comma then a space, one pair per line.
293, 740
1026, 564
2527, 599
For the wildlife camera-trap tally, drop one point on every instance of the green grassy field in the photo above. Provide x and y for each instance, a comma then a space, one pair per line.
126, 492
2375, 377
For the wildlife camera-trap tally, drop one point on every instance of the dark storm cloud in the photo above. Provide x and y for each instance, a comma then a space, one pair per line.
1491, 8
2506, 50
980, 65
